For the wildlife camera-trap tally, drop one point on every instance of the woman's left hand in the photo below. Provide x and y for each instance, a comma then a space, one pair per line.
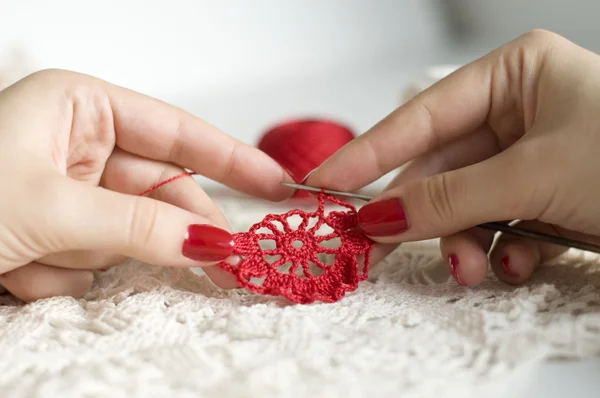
76, 151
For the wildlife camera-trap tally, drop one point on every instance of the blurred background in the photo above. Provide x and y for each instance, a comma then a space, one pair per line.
246, 65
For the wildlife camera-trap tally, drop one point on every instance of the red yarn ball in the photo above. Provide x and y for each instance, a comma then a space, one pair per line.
300, 146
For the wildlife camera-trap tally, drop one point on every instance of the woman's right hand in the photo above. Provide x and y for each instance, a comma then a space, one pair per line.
513, 135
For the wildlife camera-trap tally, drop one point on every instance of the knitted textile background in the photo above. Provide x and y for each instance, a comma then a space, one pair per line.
410, 330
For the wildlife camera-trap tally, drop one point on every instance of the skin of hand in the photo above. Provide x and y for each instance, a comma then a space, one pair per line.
514, 135
76, 151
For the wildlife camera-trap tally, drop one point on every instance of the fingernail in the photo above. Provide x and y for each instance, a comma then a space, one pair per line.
505, 262
383, 218
207, 243
454, 263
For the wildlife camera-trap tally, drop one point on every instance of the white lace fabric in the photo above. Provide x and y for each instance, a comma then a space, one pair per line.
144, 331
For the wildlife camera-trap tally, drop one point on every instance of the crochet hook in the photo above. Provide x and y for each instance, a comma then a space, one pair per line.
494, 226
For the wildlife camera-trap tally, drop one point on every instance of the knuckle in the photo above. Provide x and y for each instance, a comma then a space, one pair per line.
437, 193
428, 125
174, 151
231, 163
539, 37
47, 74
376, 156
143, 222
60, 80
50, 76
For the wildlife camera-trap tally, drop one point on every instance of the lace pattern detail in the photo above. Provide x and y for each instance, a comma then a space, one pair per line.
295, 268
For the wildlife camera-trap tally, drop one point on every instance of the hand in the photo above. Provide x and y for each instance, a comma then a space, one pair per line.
514, 135
76, 151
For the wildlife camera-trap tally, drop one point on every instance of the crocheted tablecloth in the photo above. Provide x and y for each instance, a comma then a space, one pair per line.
144, 331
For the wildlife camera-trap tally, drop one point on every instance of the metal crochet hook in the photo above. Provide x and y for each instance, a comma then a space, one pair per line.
494, 226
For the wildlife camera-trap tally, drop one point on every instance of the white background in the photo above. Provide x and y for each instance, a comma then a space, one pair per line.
241, 65
207, 47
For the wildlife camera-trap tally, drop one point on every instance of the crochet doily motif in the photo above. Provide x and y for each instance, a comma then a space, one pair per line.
294, 267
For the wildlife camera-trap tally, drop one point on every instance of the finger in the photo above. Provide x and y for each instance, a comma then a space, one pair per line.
452, 107
169, 134
514, 259
84, 217
466, 253
467, 150
82, 259
131, 174
144, 126
180, 138
455, 105
464, 151
455, 201
36, 281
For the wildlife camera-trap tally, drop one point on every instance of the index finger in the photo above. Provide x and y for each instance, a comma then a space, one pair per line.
150, 128
456, 105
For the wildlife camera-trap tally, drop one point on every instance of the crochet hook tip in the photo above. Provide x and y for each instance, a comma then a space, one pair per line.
327, 191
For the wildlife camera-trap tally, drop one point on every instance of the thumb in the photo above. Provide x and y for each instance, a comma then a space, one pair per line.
450, 202
93, 218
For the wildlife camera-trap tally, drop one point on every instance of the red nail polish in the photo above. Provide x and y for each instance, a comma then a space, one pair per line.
383, 218
454, 263
207, 243
505, 262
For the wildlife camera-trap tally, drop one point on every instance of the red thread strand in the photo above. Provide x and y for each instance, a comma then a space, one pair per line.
334, 281
154, 187
160, 184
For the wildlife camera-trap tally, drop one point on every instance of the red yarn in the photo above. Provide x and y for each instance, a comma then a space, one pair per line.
300, 146
160, 184
335, 280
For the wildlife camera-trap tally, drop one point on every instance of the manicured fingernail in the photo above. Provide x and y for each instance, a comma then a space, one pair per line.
454, 263
505, 262
207, 243
383, 218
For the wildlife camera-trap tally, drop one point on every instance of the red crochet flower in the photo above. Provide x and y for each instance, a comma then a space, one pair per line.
290, 274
